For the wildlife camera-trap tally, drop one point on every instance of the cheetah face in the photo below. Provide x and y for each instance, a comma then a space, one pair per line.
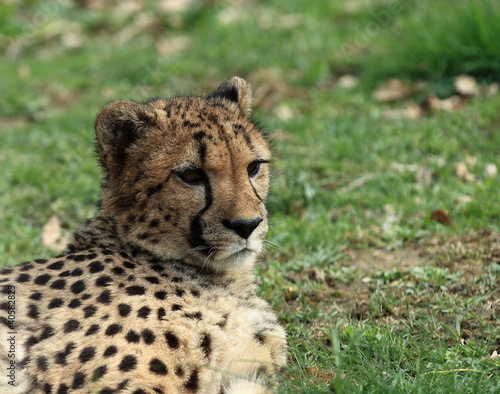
187, 178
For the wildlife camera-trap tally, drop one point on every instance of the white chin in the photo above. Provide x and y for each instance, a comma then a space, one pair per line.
234, 261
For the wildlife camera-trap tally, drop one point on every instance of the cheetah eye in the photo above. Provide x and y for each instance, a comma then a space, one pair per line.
254, 167
192, 175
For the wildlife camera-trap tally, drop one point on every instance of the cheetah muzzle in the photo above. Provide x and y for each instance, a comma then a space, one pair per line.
156, 294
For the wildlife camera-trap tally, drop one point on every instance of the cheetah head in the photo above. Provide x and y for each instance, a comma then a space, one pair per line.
187, 178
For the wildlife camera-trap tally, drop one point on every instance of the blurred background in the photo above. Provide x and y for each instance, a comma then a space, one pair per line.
385, 126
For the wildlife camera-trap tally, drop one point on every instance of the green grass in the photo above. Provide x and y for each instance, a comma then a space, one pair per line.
344, 186
437, 39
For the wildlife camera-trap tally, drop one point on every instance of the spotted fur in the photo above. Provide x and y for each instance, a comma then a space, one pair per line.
156, 294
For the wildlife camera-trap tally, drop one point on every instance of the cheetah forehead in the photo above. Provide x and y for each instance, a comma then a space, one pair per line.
217, 126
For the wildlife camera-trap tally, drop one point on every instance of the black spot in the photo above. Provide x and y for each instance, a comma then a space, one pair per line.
179, 371
78, 381
195, 315
77, 272
78, 257
60, 357
158, 367
177, 279
195, 293
71, 325
206, 345
118, 270
148, 336
154, 223
113, 329
26, 267
110, 351
107, 390
161, 295
139, 391
105, 317
153, 280
33, 311
103, 281
89, 311
176, 307
40, 261
75, 303
105, 297
78, 287
167, 217
128, 363
87, 354
55, 303
124, 309
132, 336
172, 340
199, 135
131, 219
93, 329
95, 267
223, 322
47, 388
58, 284
31, 341
64, 274
128, 264
154, 189
144, 236
42, 279
157, 268
161, 313
47, 332
135, 290
106, 252
42, 363
179, 292
144, 312
56, 266
192, 383
260, 337
158, 390
99, 373
63, 389
86, 297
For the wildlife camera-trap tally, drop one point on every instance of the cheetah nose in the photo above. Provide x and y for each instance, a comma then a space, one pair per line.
242, 227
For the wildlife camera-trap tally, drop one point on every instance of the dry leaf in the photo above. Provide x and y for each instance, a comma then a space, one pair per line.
410, 111
490, 90
283, 112
466, 85
175, 5
390, 91
463, 173
172, 45
464, 199
423, 177
491, 170
471, 161
52, 234
347, 81
441, 217
453, 103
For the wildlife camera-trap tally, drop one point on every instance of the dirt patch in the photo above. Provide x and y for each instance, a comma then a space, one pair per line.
441, 275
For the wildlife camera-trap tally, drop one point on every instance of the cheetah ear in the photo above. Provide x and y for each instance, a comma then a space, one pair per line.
117, 127
235, 90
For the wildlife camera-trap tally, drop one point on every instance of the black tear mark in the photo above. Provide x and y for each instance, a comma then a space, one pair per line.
196, 229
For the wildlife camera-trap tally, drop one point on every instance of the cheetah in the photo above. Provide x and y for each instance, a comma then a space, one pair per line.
156, 294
